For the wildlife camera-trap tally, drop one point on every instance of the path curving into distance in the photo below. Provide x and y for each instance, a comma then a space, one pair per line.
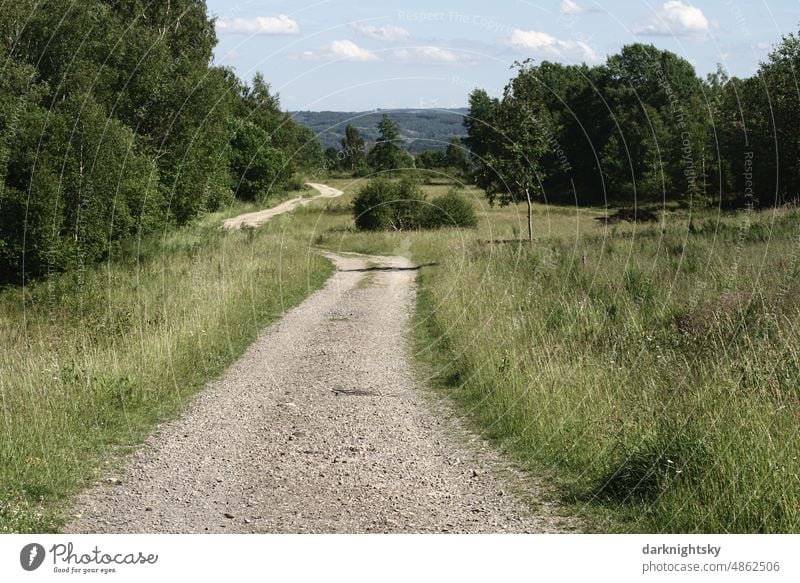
258, 218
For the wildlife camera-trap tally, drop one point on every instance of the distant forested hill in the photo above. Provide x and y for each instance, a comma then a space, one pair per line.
423, 129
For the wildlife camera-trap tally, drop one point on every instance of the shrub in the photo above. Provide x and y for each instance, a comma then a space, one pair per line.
383, 204
449, 210
408, 205
362, 170
370, 208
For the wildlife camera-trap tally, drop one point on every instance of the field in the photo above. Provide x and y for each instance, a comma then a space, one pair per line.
649, 370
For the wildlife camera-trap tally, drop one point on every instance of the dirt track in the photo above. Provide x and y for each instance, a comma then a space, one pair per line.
258, 218
320, 427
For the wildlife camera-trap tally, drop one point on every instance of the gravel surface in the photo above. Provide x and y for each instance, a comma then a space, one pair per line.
322, 427
258, 218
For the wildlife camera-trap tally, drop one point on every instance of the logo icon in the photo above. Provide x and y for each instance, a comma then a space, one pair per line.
31, 556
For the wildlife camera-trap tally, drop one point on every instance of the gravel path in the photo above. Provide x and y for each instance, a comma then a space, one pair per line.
258, 218
321, 427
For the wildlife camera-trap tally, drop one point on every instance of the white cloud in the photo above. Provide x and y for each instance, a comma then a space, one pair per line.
570, 7
259, 25
427, 55
340, 50
675, 18
541, 44
387, 33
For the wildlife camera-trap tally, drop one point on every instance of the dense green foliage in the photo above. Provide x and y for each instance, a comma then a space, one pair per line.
354, 148
642, 126
383, 204
387, 154
449, 210
430, 159
113, 121
358, 158
454, 160
402, 205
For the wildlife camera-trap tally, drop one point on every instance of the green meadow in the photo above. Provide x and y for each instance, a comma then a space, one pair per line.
649, 371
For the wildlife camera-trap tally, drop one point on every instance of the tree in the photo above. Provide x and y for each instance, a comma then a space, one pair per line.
431, 159
509, 169
455, 155
570, 155
332, 161
386, 154
770, 106
643, 126
309, 154
255, 163
657, 119
353, 147
113, 121
481, 131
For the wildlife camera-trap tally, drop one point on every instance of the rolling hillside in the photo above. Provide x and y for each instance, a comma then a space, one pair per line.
423, 129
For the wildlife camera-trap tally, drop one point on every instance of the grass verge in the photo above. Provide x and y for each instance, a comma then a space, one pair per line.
91, 360
654, 376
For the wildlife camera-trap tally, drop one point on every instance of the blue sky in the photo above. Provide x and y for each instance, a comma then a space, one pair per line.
344, 55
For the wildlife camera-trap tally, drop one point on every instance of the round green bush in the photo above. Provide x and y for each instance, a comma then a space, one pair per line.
383, 204
371, 210
449, 210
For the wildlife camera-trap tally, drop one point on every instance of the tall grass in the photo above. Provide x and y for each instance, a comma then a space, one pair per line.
90, 360
650, 370
654, 373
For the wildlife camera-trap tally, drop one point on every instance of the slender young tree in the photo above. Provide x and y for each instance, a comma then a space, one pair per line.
510, 169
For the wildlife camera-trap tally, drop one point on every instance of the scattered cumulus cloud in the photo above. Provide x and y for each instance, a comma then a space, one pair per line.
544, 45
675, 18
347, 50
427, 55
340, 50
386, 33
259, 25
570, 7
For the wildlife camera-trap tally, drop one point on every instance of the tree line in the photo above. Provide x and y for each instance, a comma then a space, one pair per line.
640, 127
114, 122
